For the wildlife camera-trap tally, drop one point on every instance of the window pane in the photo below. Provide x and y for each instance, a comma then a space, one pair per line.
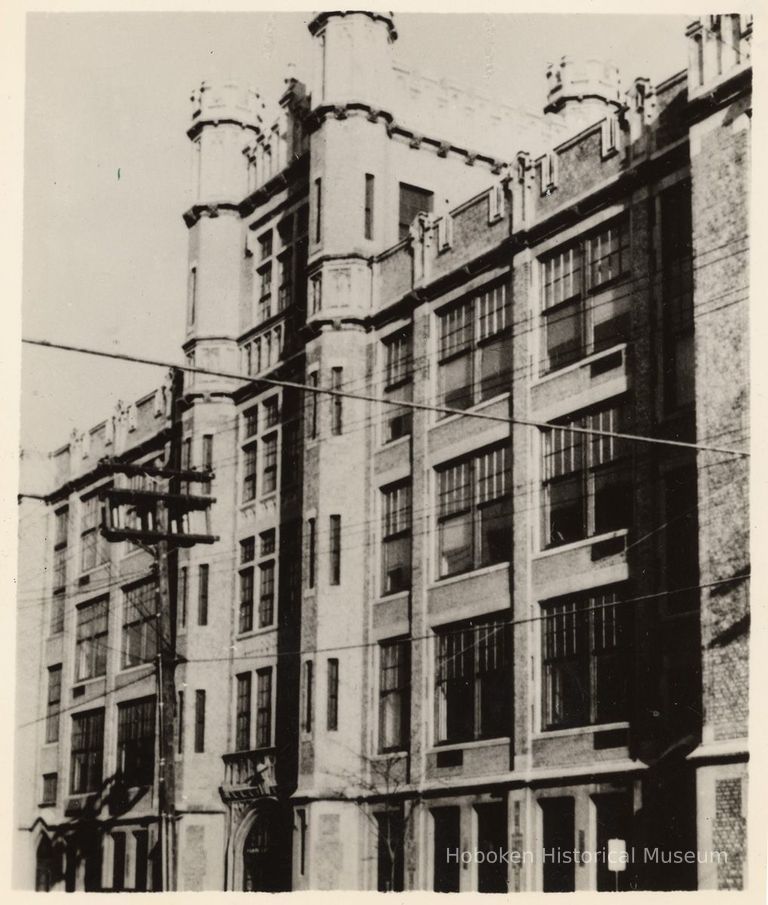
495, 531
456, 544
495, 367
398, 421
396, 564
610, 322
613, 499
565, 511
564, 335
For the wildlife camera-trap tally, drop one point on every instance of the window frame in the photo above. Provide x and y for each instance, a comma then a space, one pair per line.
393, 533
53, 705
398, 384
399, 692
243, 711
95, 642
264, 709
144, 624
332, 695
136, 741
87, 751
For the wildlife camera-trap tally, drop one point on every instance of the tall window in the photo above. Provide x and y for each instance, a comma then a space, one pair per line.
318, 209
311, 551
139, 624
677, 296
183, 594
202, 594
264, 707
50, 789
266, 593
285, 289
91, 639
93, 547
180, 723
337, 402
396, 538
474, 680
87, 751
61, 530
475, 357
587, 488
311, 403
53, 708
199, 721
398, 385
334, 548
264, 278
582, 309
368, 218
474, 512
192, 290
243, 712
394, 695
249, 472
251, 421
245, 622
207, 462
332, 722
584, 660
413, 201
136, 741
390, 838
308, 701
57, 613
269, 464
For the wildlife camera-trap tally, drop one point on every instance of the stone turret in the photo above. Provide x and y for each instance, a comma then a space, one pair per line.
582, 92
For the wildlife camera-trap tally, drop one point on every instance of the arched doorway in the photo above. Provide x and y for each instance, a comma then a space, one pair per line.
259, 853
48, 865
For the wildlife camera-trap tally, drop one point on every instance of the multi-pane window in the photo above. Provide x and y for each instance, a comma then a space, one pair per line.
251, 421
475, 352
337, 401
93, 547
60, 550
91, 639
285, 289
332, 722
394, 695
203, 573
200, 721
266, 593
398, 385
271, 411
249, 472
473, 681
396, 538
57, 613
334, 550
269, 464
243, 712
87, 751
245, 621
584, 661
583, 309
139, 624
53, 708
474, 512
586, 479
677, 296
267, 542
136, 741
264, 707
50, 789
264, 277
413, 201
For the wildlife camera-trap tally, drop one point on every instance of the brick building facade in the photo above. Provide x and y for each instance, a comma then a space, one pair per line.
435, 629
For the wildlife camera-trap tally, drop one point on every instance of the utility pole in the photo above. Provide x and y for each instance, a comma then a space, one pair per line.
160, 521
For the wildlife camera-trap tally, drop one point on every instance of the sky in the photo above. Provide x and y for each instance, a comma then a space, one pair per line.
107, 163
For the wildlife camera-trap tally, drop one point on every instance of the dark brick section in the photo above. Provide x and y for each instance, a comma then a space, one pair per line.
729, 833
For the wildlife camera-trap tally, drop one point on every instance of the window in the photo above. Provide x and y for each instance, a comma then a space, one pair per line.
368, 217
192, 290
243, 712
302, 816
91, 639
93, 547
398, 385
53, 708
269, 464
473, 681
251, 421
267, 542
333, 695
581, 316
447, 842
207, 462
335, 549
318, 210
186, 461
312, 405
199, 721
584, 661
87, 751
413, 201
390, 837
50, 789
474, 512
136, 741
118, 861
394, 695
265, 246
271, 412
61, 528
266, 594
265, 291
139, 624
202, 595
336, 401
677, 297
396, 538
183, 594
316, 295
587, 488
475, 355
57, 613
180, 724
308, 692
249, 473
311, 551
492, 835
559, 837
285, 289
245, 623
264, 707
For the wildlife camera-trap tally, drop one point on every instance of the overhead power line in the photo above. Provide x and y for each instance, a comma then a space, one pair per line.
402, 403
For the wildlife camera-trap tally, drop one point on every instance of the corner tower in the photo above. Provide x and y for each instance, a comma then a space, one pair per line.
581, 92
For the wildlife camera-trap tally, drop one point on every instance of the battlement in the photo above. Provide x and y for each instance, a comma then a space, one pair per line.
577, 80
227, 102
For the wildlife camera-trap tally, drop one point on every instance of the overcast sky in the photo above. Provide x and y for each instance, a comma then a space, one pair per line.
107, 162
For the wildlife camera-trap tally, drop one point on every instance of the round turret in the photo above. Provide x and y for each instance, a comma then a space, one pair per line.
227, 102
583, 91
